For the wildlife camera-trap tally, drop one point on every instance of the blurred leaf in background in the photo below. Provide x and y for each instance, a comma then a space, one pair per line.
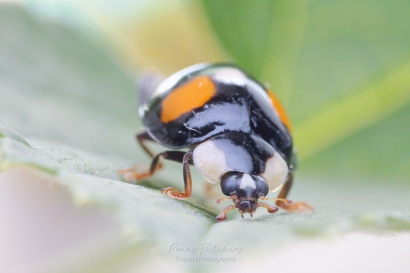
68, 108
342, 70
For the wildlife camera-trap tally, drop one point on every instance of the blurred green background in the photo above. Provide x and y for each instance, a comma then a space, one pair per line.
341, 69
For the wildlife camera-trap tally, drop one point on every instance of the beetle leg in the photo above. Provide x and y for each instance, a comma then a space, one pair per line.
270, 208
130, 174
174, 193
222, 215
145, 136
295, 206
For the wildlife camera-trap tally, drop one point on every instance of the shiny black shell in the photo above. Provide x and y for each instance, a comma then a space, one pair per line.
241, 106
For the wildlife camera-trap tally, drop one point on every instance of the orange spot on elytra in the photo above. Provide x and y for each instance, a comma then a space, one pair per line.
280, 110
187, 97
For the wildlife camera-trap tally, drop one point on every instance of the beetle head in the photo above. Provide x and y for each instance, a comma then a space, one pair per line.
245, 191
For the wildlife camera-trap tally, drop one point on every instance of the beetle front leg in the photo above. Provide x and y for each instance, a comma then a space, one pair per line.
222, 215
294, 206
132, 174
174, 193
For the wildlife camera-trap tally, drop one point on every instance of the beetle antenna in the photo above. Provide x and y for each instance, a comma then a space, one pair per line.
286, 201
223, 199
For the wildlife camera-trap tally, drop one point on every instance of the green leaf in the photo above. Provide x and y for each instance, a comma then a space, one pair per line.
339, 67
346, 116
93, 179
38, 62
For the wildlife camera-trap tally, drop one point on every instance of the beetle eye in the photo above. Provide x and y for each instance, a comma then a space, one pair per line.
230, 182
262, 186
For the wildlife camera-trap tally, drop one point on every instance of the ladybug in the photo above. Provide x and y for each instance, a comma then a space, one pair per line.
236, 131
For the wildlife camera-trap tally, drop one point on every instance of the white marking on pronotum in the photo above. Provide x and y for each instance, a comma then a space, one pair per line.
247, 181
210, 161
230, 76
276, 171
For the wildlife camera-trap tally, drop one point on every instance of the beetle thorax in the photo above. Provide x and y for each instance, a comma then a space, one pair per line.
241, 152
